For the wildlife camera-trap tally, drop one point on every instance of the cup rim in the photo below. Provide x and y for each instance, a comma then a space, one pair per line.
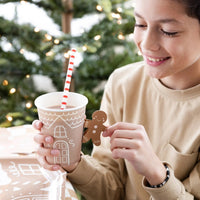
59, 110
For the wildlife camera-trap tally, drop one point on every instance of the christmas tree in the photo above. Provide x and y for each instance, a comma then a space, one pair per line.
104, 47
28, 52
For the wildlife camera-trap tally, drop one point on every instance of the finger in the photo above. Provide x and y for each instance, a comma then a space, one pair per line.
46, 165
37, 124
128, 154
121, 126
43, 139
122, 143
47, 152
126, 134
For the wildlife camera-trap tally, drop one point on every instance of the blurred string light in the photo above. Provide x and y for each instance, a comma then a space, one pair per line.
97, 37
50, 53
23, 2
9, 118
56, 41
116, 15
5, 83
21, 51
36, 30
67, 54
48, 37
99, 8
12, 91
121, 36
119, 9
29, 105
84, 48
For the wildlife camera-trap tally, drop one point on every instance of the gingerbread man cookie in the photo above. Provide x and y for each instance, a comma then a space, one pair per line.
95, 127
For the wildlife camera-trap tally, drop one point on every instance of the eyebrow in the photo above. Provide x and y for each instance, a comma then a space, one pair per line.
167, 20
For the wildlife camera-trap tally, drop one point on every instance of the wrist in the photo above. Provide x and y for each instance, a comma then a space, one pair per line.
167, 175
157, 175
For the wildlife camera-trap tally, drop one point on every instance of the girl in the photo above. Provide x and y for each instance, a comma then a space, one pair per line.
150, 149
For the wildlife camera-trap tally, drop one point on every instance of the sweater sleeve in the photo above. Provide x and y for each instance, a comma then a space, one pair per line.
98, 180
175, 189
99, 176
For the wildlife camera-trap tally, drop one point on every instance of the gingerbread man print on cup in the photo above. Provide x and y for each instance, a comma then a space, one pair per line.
95, 127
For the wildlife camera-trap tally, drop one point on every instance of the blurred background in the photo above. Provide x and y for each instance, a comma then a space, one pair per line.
35, 41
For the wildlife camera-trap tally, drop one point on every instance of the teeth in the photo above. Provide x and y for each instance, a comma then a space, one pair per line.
155, 60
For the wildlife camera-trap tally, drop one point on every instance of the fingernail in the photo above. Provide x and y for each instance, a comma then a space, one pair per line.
55, 167
37, 123
55, 152
48, 139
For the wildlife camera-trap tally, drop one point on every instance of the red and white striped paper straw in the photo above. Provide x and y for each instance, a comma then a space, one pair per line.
68, 79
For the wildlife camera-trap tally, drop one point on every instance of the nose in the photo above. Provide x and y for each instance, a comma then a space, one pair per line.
150, 40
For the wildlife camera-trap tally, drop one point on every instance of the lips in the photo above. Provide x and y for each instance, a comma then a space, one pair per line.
155, 61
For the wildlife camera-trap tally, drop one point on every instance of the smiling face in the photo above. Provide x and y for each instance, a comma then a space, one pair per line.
169, 41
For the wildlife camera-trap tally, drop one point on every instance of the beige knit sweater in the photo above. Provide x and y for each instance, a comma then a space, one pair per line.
171, 119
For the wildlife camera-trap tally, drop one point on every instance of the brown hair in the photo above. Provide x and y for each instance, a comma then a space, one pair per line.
192, 7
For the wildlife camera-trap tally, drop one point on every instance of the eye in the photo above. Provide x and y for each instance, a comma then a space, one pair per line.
140, 25
171, 34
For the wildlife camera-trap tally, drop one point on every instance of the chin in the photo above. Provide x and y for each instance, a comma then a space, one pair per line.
153, 74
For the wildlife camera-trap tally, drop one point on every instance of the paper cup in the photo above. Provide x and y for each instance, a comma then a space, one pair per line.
66, 126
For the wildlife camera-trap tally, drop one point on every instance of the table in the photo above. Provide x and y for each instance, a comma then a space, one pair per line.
21, 176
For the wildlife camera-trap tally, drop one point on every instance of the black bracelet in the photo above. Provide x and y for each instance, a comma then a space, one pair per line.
166, 179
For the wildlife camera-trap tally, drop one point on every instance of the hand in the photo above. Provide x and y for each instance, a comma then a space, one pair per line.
42, 152
130, 142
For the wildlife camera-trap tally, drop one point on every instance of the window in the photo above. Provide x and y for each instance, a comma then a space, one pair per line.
30, 169
60, 132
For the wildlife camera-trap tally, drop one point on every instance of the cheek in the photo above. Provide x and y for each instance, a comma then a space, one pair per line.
173, 48
178, 52
136, 37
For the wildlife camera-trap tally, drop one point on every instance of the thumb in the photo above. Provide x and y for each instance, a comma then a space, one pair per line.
106, 132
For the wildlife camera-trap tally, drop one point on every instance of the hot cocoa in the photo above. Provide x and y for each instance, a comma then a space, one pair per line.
66, 126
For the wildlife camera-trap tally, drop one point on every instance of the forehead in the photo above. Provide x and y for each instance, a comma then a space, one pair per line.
158, 9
